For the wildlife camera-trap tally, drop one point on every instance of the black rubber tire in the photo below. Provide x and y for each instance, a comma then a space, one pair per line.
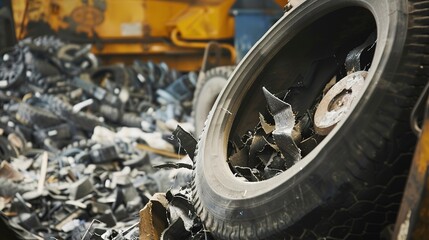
350, 185
206, 92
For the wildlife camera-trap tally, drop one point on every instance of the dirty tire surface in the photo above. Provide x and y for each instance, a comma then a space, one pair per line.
350, 186
207, 90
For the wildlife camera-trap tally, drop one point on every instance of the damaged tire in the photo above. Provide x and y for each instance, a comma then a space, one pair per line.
350, 185
206, 92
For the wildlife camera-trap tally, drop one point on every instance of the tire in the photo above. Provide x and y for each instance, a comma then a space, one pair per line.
350, 185
206, 92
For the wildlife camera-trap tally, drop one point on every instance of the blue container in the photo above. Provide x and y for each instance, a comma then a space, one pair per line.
250, 26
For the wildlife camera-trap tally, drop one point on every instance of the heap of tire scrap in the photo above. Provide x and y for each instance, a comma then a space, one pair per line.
70, 136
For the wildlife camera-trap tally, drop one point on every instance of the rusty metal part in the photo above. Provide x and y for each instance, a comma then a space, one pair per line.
419, 109
337, 102
153, 217
181, 43
285, 121
413, 217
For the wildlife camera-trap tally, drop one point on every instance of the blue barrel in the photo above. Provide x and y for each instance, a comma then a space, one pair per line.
250, 26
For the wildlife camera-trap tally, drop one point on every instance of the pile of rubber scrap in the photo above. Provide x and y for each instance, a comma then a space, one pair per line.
77, 141
276, 143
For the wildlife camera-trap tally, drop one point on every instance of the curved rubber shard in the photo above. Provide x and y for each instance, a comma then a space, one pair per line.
186, 140
285, 121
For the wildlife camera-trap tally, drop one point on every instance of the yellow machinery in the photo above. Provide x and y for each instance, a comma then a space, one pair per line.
173, 31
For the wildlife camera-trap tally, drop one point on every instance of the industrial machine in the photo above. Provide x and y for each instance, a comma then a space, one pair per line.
175, 31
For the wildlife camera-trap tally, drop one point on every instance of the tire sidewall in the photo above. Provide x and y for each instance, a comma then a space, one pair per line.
206, 92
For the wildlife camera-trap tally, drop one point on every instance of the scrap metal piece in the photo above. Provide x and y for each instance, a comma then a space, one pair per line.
94, 90
89, 231
418, 110
178, 91
108, 218
9, 172
285, 121
81, 189
131, 229
338, 101
104, 154
74, 215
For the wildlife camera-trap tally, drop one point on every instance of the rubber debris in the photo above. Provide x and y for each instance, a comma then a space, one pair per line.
79, 143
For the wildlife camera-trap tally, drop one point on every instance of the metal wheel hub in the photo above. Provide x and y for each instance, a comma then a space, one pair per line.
338, 101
